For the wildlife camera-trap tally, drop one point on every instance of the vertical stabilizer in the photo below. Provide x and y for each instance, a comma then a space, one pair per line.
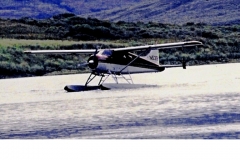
153, 56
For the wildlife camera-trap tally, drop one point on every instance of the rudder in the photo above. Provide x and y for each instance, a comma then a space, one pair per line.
153, 56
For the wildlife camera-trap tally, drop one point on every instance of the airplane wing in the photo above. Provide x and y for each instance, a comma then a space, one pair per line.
92, 51
79, 51
162, 46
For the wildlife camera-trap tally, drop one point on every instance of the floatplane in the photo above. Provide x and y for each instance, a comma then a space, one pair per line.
120, 63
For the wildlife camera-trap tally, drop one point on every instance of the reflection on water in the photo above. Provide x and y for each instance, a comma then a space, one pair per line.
200, 102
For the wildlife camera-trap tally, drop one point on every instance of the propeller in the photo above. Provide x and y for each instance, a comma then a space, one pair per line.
92, 61
83, 64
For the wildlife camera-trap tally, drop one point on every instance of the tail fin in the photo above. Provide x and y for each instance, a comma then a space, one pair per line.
153, 56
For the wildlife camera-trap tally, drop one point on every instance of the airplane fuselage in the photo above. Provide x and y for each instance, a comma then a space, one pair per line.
116, 68
106, 61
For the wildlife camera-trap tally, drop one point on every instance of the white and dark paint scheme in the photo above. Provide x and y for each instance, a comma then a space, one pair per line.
120, 61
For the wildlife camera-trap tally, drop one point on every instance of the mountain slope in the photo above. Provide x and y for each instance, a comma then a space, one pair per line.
164, 11
48, 8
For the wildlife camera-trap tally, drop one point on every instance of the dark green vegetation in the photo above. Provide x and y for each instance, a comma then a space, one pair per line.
221, 43
164, 11
15, 63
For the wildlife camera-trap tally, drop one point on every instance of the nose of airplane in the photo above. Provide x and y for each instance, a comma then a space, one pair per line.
93, 62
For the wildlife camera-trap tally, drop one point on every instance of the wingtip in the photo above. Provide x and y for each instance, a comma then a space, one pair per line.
27, 52
195, 42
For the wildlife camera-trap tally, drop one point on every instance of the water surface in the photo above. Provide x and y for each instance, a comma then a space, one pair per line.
201, 102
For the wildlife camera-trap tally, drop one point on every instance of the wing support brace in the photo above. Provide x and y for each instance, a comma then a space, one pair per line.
132, 61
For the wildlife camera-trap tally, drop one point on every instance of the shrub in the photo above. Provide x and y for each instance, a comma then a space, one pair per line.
37, 70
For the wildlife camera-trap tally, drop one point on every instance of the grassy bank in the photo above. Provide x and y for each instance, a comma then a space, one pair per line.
67, 31
14, 63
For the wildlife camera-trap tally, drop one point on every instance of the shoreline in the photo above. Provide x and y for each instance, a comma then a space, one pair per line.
72, 72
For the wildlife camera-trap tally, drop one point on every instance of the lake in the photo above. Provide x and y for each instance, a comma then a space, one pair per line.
201, 102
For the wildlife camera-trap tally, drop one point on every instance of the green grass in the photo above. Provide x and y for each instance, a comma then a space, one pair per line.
4, 42
221, 43
14, 63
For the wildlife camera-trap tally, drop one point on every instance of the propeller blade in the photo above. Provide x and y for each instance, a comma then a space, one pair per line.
83, 64
93, 60
95, 53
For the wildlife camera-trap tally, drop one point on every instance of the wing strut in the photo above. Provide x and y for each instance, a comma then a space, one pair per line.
133, 61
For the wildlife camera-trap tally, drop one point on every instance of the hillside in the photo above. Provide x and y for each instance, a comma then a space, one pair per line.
178, 12
164, 11
47, 8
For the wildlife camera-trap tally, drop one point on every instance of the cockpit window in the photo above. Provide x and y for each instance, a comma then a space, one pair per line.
107, 52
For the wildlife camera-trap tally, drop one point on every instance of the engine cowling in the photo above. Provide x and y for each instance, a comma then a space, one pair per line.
93, 62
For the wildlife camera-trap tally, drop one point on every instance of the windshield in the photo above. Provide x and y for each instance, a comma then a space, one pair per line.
107, 52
